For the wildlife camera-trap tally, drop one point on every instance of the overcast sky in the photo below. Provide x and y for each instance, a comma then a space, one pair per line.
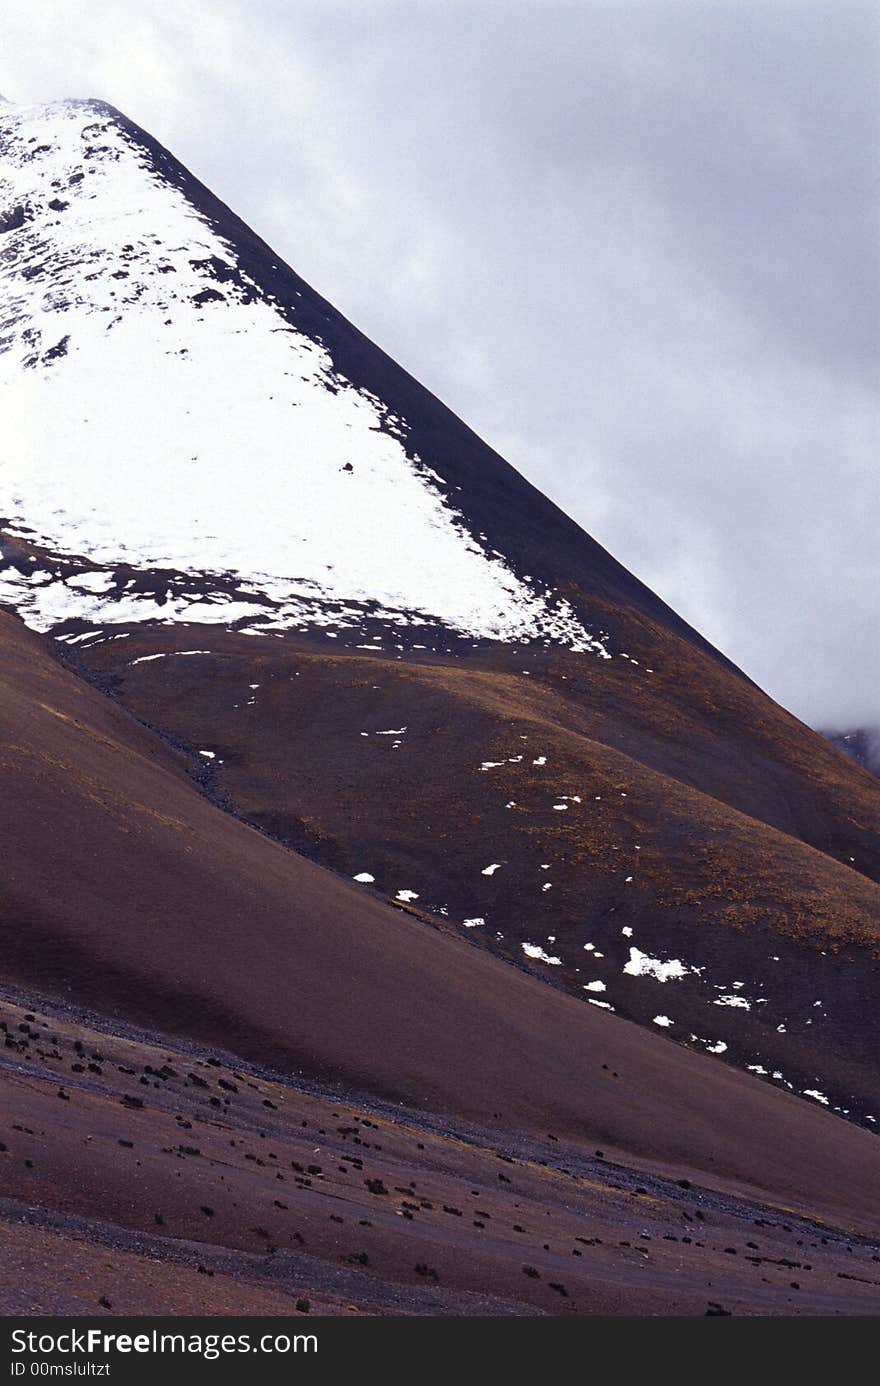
634, 243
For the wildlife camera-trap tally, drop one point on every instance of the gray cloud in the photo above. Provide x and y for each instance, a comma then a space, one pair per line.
633, 244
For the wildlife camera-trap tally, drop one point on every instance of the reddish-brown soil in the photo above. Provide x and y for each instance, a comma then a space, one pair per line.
699, 823
128, 892
155, 1177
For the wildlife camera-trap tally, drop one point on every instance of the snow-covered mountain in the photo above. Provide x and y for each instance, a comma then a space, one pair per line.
203, 458
196, 453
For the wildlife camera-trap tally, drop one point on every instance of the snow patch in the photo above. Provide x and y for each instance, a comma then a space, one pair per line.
640, 965
532, 950
172, 654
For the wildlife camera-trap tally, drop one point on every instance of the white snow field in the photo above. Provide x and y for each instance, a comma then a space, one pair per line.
162, 417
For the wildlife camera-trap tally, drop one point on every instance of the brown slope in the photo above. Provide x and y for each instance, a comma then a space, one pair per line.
666, 716
125, 889
642, 838
252, 1193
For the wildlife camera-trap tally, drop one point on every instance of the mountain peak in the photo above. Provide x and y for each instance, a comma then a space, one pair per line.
214, 485
327, 516
353, 758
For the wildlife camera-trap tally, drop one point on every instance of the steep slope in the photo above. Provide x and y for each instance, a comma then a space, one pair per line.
488, 797
324, 488
116, 282
417, 668
126, 891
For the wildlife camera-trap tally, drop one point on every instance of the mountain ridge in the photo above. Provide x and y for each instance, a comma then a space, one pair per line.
491, 494
260, 559
362, 349
395, 890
